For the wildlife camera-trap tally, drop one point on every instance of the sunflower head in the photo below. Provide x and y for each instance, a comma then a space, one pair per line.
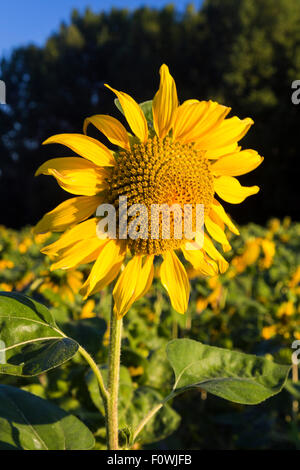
160, 172
175, 156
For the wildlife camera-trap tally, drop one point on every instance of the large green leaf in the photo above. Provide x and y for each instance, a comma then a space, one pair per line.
31, 423
163, 423
31, 342
88, 332
240, 378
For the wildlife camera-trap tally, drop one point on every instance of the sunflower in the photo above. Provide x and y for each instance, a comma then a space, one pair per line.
183, 154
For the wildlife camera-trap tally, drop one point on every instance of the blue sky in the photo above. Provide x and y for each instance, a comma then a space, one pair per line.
25, 21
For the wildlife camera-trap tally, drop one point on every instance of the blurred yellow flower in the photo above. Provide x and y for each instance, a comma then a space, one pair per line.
6, 287
286, 308
212, 299
6, 264
135, 371
25, 281
41, 237
269, 331
88, 309
268, 248
25, 244
295, 278
249, 256
252, 251
66, 287
274, 225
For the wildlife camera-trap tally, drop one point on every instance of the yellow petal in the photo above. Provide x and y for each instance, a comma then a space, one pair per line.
218, 221
87, 182
219, 210
111, 128
69, 212
212, 251
199, 261
195, 257
228, 132
133, 113
125, 287
215, 231
132, 284
175, 280
165, 103
145, 280
82, 231
214, 154
187, 117
103, 281
64, 164
111, 254
229, 189
87, 147
237, 163
75, 255
195, 120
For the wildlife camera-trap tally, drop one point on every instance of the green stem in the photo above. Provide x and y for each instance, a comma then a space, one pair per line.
147, 418
113, 380
152, 413
96, 371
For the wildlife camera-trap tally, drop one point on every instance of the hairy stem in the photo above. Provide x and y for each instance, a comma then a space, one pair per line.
113, 380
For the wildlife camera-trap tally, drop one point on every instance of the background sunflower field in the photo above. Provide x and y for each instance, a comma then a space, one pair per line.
254, 307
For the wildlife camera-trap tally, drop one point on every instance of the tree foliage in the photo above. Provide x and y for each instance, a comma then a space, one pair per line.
242, 53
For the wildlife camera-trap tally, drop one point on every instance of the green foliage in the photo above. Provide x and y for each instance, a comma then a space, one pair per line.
164, 423
29, 423
88, 332
240, 378
252, 308
134, 405
243, 53
32, 342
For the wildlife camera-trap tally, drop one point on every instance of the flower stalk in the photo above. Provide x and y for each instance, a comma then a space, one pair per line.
112, 424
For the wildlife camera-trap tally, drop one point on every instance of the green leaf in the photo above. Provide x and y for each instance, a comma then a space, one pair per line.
159, 370
238, 377
31, 342
163, 423
147, 110
30, 423
125, 390
88, 332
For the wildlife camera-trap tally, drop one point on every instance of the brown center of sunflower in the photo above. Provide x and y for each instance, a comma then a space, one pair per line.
160, 172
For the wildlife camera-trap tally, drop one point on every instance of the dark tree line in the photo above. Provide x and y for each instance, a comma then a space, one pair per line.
242, 53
